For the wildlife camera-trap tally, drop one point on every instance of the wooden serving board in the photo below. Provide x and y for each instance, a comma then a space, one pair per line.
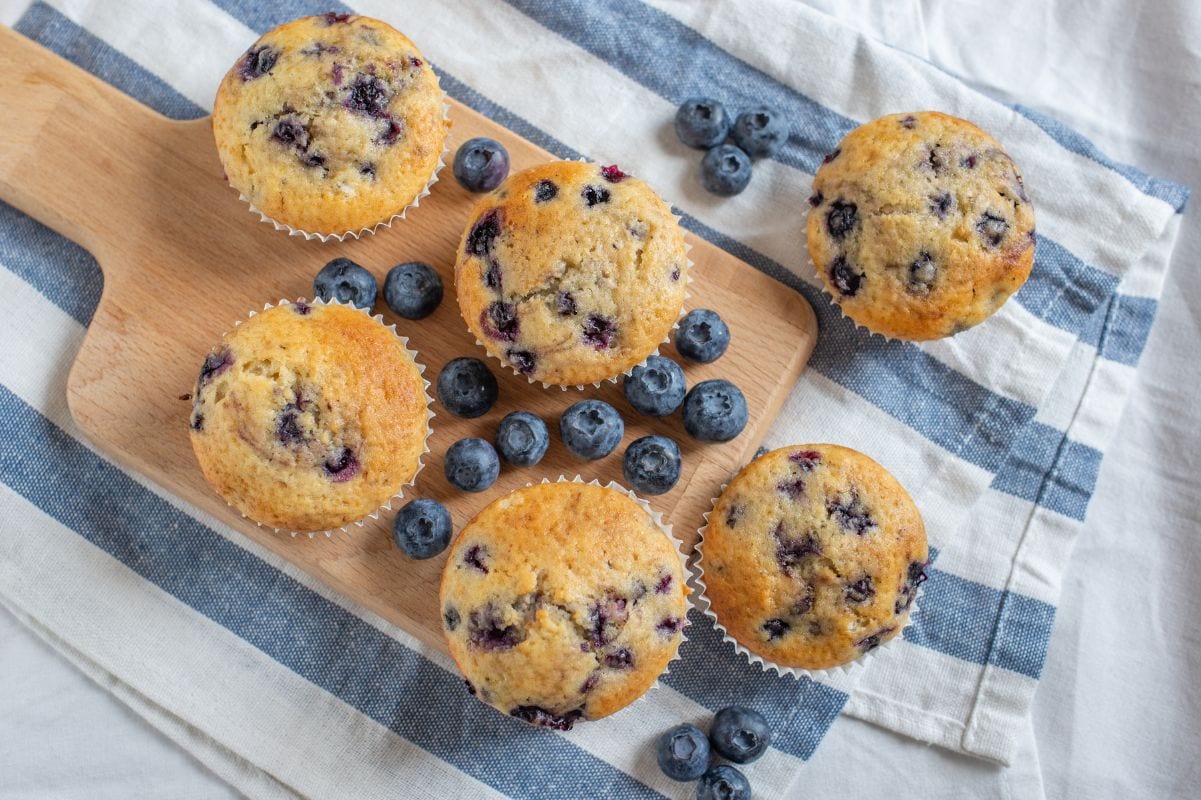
183, 259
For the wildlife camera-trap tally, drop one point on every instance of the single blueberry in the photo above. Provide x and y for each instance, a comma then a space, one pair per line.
599, 331
861, 590
844, 277
343, 466
723, 782
481, 164
472, 465
591, 429
725, 170
522, 439
775, 628
290, 132
739, 734
702, 336
594, 195
257, 62
466, 387
714, 411
422, 529
484, 233
655, 388
412, 290
652, 464
368, 95
499, 321
347, 282
761, 132
992, 228
683, 753
841, 218
565, 304
545, 191
921, 274
521, 360
702, 123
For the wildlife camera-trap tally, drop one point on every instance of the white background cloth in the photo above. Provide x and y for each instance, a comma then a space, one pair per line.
1117, 711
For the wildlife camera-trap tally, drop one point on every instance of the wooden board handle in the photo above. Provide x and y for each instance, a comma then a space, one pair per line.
70, 142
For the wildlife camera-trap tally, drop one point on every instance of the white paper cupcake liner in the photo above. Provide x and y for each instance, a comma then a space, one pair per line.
429, 415
842, 671
371, 229
625, 373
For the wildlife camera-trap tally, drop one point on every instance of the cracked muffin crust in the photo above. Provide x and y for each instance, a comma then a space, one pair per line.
308, 417
812, 556
330, 123
920, 226
562, 601
571, 273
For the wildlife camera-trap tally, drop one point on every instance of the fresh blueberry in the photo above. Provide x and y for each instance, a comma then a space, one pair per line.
652, 464
723, 782
467, 387
656, 388
422, 528
683, 753
591, 429
714, 411
740, 734
725, 170
522, 439
472, 465
481, 164
412, 290
702, 123
347, 282
760, 132
703, 336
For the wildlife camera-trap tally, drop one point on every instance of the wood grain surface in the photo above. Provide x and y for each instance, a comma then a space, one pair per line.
183, 259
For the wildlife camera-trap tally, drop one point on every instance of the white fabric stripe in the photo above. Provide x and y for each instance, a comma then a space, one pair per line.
248, 779
1056, 177
204, 661
191, 54
933, 707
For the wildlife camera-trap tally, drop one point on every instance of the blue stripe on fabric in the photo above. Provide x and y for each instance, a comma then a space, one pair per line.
714, 675
982, 625
55, 266
295, 626
55, 32
1047, 468
1062, 290
1174, 194
663, 54
1120, 331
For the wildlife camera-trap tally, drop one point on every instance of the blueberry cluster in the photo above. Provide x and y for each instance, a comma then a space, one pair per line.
703, 123
413, 290
738, 734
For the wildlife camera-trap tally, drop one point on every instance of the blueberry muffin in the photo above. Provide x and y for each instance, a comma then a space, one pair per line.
920, 227
562, 601
571, 273
307, 417
812, 556
331, 124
